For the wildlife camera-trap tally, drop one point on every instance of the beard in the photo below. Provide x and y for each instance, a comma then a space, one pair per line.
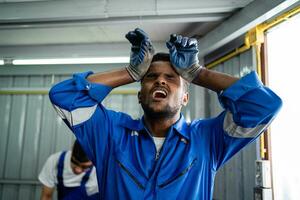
167, 112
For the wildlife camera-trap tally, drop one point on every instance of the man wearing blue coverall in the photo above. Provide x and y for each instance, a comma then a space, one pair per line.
160, 156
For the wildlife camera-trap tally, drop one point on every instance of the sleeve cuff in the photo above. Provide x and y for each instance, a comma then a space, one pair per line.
46, 182
242, 86
96, 91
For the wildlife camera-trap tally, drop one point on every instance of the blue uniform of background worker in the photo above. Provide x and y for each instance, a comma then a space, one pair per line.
126, 152
73, 175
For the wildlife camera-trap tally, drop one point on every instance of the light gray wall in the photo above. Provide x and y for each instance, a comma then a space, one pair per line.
30, 130
235, 180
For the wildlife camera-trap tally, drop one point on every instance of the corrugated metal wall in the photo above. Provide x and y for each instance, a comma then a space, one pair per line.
30, 131
235, 180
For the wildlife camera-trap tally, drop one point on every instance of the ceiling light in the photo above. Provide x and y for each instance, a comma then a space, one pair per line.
55, 61
1, 62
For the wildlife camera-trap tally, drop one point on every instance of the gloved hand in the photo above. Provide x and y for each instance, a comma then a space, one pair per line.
184, 56
141, 53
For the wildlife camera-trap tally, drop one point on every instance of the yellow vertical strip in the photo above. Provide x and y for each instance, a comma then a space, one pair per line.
256, 38
258, 60
258, 69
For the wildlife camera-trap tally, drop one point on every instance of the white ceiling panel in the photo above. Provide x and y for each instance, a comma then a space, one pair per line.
76, 22
85, 34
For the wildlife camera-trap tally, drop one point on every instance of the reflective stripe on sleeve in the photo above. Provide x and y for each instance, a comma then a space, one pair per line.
233, 130
76, 116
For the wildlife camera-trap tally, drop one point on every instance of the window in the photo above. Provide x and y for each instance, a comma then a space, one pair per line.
284, 78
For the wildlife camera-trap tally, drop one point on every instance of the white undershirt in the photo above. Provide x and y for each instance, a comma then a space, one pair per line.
158, 141
48, 175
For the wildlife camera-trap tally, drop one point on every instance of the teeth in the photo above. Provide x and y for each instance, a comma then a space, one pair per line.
159, 92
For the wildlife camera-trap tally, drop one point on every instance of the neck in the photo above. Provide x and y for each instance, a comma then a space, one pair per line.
159, 126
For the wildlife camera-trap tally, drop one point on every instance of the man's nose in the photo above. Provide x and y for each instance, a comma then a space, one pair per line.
78, 170
161, 80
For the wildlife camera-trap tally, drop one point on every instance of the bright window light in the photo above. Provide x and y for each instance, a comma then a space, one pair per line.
284, 71
55, 61
1, 62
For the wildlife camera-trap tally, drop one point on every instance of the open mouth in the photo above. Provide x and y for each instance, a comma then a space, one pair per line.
159, 94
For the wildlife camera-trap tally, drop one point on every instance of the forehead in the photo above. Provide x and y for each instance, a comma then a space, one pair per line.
161, 66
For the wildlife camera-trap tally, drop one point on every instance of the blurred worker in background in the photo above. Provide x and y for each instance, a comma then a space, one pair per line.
71, 173
161, 156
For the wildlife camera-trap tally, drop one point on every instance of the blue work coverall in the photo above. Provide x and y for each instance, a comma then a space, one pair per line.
123, 151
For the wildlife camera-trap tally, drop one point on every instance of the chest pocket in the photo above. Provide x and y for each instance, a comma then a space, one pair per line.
128, 170
178, 174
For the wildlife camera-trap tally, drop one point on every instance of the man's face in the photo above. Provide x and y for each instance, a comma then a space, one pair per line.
162, 90
80, 167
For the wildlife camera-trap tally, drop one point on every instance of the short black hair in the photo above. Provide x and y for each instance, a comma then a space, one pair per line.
78, 153
161, 57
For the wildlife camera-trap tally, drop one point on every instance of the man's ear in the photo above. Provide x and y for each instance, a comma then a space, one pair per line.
185, 99
139, 96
